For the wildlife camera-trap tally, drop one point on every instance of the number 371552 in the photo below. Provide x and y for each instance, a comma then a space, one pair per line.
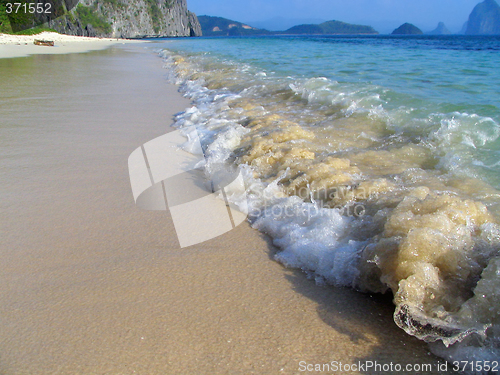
28, 8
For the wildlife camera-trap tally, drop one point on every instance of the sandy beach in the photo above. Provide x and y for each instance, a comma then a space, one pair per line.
23, 45
91, 284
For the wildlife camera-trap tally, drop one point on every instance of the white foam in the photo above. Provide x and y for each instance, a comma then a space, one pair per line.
324, 241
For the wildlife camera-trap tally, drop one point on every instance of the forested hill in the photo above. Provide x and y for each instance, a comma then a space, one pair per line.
331, 27
219, 26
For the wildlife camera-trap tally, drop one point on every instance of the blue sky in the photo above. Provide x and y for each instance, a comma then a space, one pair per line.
381, 14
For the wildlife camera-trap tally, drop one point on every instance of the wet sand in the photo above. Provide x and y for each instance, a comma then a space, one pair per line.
93, 285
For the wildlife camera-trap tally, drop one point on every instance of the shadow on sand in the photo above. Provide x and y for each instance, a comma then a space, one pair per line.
364, 319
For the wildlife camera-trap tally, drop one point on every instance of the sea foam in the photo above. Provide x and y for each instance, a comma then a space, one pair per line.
360, 193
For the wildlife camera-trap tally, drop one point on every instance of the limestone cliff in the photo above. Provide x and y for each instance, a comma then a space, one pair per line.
484, 19
129, 19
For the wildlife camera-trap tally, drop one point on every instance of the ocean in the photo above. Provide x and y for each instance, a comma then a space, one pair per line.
373, 162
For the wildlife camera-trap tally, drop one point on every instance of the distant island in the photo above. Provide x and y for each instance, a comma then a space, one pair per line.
407, 29
331, 28
483, 20
218, 26
281, 23
441, 29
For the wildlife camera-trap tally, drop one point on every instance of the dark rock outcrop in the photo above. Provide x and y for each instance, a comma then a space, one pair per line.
129, 19
64, 26
89, 30
407, 29
441, 29
484, 19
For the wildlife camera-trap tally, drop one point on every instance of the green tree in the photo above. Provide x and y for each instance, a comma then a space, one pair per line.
4, 19
87, 15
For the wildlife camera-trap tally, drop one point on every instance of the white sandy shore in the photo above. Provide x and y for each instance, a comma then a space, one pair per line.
23, 45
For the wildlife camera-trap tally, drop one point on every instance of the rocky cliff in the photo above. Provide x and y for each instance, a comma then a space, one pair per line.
484, 19
129, 19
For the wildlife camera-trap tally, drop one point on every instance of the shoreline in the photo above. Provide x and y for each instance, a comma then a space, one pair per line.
12, 46
97, 285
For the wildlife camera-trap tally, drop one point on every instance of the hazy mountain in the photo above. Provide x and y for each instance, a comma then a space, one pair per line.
441, 29
219, 26
407, 29
280, 23
331, 27
304, 29
484, 19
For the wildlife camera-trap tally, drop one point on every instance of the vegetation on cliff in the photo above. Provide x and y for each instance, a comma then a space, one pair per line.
4, 20
22, 15
89, 16
132, 19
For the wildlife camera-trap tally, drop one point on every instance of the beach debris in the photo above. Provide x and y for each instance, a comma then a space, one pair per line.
40, 42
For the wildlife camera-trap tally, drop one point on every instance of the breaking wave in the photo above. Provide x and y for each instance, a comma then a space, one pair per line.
358, 191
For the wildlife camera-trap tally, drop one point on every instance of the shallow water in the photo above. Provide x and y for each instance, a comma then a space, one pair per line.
372, 162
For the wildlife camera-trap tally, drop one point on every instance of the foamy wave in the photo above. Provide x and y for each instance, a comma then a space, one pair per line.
360, 193
349, 98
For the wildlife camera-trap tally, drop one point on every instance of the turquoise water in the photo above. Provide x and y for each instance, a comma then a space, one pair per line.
372, 162
428, 76
461, 72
